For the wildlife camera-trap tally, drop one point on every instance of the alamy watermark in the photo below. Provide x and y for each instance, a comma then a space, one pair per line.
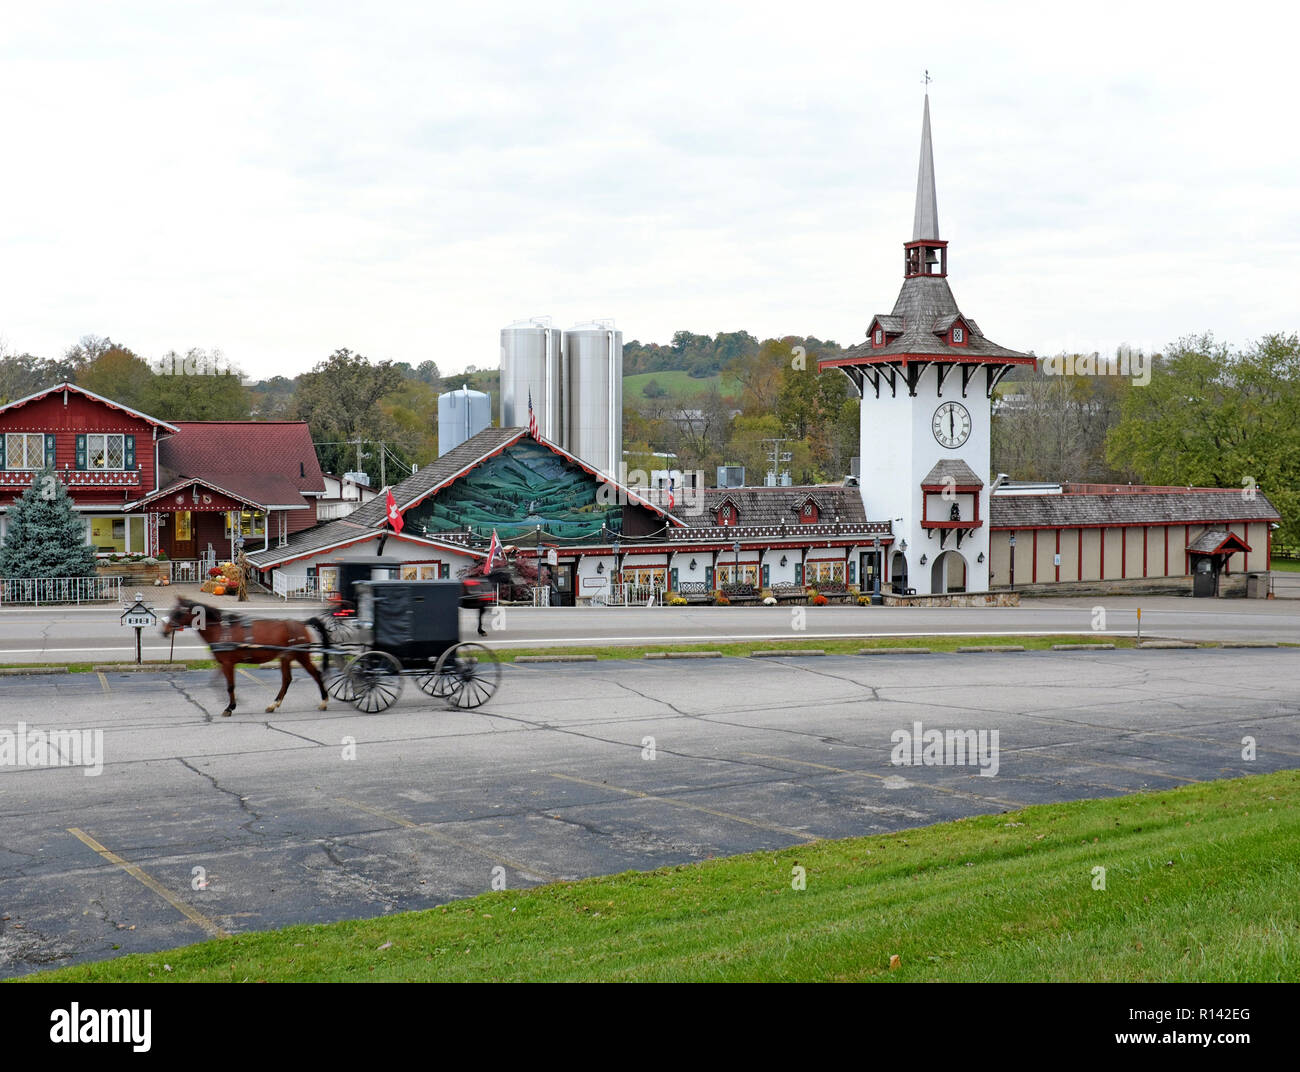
946, 748
1127, 362
26, 747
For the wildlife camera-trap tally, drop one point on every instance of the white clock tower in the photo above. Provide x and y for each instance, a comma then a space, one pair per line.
926, 375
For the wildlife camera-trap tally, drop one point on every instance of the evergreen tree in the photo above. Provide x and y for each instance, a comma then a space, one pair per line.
46, 537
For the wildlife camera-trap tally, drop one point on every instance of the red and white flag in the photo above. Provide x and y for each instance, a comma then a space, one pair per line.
672, 497
532, 419
494, 549
395, 521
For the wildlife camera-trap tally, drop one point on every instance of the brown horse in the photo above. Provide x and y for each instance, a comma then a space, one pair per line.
236, 639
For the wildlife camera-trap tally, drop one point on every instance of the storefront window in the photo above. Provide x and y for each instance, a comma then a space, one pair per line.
184, 526
251, 523
825, 572
726, 573
117, 535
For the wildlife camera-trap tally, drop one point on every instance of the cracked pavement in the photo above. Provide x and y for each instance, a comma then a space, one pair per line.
553, 778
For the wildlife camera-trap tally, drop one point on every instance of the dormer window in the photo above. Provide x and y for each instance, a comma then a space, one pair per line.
880, 336
727, 514
958, 334
808, 513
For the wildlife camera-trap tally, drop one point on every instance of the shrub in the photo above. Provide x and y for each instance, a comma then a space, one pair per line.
770, 601
722, 601
677, 601
215, 571
819, 601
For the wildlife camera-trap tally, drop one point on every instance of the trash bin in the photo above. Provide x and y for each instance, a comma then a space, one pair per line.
1257, 586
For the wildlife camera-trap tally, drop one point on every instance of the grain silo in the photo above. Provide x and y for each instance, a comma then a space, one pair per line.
532, 361
593, 396
461, 415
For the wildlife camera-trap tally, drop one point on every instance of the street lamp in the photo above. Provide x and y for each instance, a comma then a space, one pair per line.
736, 547
875, 571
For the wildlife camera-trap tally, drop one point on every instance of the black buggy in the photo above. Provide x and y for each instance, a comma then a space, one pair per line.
412, 629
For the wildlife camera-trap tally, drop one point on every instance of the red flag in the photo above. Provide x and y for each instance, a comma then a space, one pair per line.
532, 417
395, 521
494, 549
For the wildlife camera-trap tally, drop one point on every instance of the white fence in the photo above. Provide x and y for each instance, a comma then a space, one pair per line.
294, 586
628, 594
40, 591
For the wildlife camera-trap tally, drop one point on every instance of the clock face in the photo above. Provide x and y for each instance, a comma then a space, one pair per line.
951, 425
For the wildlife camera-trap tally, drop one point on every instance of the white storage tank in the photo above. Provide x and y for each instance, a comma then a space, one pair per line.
532, 360
461, 415
594, 394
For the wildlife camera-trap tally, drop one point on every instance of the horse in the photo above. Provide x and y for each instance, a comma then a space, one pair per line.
236, 639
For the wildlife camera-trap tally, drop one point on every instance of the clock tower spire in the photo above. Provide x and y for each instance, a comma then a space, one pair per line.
925, 376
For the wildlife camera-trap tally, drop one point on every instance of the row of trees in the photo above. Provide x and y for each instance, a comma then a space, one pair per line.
1206, 415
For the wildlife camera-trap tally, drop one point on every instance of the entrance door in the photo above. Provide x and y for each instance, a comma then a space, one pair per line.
564, 583
182, 534
868, 567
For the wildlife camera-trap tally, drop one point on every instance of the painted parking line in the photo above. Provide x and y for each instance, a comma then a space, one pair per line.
802, 835
882, 777
148, 880
252, 677
438, 835
1041, 750
103, 681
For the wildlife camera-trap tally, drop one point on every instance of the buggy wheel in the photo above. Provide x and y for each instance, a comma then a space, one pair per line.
469, 675
338, 684
375, 678
431, 682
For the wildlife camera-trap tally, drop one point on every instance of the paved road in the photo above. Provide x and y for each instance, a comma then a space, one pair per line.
555, 778
94, 635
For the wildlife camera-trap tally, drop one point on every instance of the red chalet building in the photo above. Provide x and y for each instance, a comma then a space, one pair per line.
144, 485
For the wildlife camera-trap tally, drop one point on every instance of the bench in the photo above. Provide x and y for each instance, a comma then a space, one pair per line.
695, 592
789, 592
740, 593
834, 591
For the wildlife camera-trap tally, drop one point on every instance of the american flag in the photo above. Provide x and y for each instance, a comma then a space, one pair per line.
494, 550
672, 499
532, 419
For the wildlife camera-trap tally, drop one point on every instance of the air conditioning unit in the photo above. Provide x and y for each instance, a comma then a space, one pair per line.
731, 476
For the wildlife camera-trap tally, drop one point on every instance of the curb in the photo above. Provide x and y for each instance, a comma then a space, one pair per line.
779, 654
137, 668
894, 651
14, 671
991, 647
1083, 647
682, 655
1166, 644
1249, 644
555, 658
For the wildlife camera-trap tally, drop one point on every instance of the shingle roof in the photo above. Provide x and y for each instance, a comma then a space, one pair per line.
771, 506
923, 303
961, 473
1176, 508
67, 386
272, 463
1209, 541
451, 464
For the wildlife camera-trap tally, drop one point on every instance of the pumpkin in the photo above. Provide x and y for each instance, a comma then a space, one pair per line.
219, 591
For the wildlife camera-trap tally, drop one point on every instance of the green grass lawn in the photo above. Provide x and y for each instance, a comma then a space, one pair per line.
1286, 565
1201, 883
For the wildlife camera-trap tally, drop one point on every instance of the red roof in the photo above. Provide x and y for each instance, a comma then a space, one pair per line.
272, 463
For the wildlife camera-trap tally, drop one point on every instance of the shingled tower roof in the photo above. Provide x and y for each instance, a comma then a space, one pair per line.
926, 324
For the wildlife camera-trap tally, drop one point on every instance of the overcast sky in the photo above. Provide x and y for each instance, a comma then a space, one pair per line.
280, 180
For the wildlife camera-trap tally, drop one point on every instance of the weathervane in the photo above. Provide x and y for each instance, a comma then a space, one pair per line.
927, 79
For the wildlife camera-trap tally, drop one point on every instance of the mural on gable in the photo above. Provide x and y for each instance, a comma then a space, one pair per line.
518, 490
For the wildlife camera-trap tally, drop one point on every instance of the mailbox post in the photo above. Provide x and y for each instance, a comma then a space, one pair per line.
140, 616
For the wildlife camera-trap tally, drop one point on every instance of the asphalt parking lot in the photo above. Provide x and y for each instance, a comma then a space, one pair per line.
200, 826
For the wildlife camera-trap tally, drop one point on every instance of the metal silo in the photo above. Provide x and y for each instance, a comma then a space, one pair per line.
461, 415
594, 394
532, 359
